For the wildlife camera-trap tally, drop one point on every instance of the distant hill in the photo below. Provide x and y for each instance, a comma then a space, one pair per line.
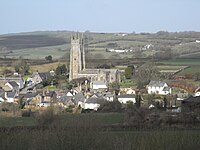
16, 42
160, 45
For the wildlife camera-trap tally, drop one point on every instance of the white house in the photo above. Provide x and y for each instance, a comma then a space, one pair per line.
10, 97
109, 97
19, 81
197, 92
126, 98
2, 95
158, 87
92, 103
97, 85
13, 85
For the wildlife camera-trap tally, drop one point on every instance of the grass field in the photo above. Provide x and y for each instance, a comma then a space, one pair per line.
182, 62
46, 67
16, 121
82, 132
67, 119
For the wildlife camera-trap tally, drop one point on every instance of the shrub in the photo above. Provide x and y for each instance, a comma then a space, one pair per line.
47, 117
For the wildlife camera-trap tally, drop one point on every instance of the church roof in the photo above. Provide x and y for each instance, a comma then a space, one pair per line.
89, 71
96, 71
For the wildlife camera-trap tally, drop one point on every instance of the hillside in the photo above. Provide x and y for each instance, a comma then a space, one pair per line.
160, 45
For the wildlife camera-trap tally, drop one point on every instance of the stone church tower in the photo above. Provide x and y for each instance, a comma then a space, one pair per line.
77, 56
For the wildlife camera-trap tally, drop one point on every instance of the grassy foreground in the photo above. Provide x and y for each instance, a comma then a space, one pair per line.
84, 132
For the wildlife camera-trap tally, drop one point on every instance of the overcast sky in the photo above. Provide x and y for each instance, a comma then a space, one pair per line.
99, 15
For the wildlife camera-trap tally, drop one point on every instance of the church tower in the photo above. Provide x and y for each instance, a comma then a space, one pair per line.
77, 56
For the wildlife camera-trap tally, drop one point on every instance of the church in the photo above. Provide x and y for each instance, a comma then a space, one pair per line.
78, 65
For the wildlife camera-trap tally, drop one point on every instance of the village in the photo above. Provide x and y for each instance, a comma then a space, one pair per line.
94, 89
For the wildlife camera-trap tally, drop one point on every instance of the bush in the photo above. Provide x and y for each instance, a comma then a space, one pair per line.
114, 106
26, 113
47, 117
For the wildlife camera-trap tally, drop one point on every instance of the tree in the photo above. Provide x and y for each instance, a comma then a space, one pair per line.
49, 58
115, 87
129, 72
61, 70
147, 72
138, 100
21, 66
197, 76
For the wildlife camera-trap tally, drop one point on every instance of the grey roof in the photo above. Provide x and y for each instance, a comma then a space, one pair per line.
156, 83
30, 95
89, 71
2, 93
13, 84
126, 96
66, 98
79, 97
166, 89
11, 94
99, 83
44, 75
96, 71
95, 100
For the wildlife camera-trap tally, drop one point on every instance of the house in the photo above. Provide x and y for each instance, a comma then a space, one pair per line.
18, 80
128, 90
13, 86
48, 96
190, 104
11, 97
79, 98
109, 97
124, 98
39, 77
197, 92
99, 85
2, 95
66, 100
158, 87
30, 99
92, 103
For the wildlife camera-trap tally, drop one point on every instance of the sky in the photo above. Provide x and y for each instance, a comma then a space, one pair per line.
99, 15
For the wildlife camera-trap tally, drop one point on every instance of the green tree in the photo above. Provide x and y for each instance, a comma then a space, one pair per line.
129, 72
49, 58
138, 100
61, 70
147, 72
114, 87
21, 66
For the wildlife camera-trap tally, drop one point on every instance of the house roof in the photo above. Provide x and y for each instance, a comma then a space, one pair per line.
79, 97
166, 89
30, 95
11, 79
2, 93
156, 83
11, 94
197, 89
126, 96
44, 75
95, 100
13, 84
99, 83
66, 98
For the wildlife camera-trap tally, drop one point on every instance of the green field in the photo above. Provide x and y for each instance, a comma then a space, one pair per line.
67, 119
16, 121
84, 132
183, 62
